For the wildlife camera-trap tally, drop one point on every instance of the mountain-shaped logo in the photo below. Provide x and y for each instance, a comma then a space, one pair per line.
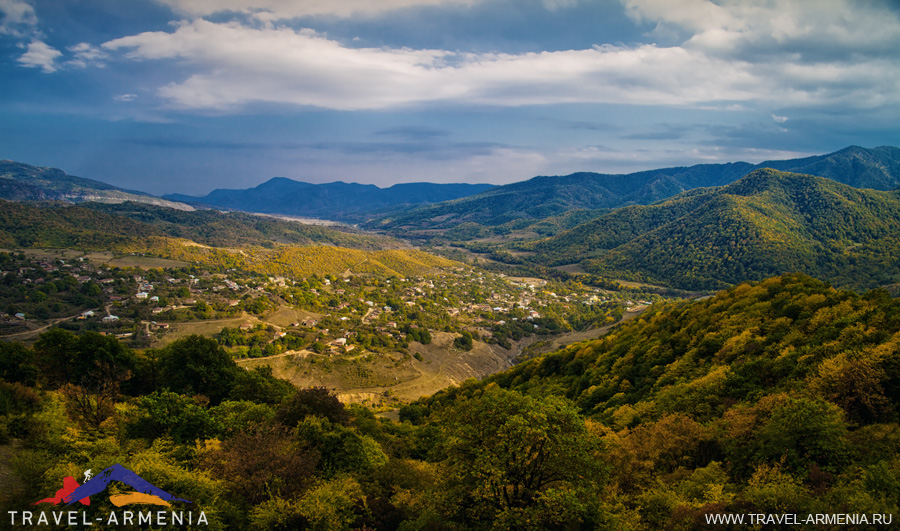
145, 493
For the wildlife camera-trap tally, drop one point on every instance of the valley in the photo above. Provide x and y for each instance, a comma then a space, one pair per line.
381, 341
718, 349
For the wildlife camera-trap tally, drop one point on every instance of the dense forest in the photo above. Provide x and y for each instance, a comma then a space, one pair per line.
779, 396
767, 223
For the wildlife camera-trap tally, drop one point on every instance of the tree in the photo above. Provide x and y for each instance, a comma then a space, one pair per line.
464, 341
261, 386
17, 364
91, 361
508, 454
167, 413
198, 365
315, 401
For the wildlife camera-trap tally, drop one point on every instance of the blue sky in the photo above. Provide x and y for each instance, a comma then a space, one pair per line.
190, 95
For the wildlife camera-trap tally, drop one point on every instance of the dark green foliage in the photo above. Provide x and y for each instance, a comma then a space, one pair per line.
767, 223
260, 386
314, 401
172, 415
197, 365
17, 364
463, 341
511, 457
89, 360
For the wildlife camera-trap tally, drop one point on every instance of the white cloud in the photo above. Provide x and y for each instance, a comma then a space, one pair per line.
801, 29
125, 97
285, 9
86, 54
40, 55
779, 119
234, 65
16, 16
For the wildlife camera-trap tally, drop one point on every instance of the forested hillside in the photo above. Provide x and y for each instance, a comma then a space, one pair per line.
523, 203
103, 226
335, 201
769, 222
779, 397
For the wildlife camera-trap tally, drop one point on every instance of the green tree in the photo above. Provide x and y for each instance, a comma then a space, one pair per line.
510, 454
198, 365
313, 401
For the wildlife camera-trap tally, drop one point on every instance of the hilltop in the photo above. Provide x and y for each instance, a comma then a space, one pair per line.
23, 182
766, 223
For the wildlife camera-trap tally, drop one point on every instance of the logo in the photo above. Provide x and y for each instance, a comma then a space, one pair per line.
144, 493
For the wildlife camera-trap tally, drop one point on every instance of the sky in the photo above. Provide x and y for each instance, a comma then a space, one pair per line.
186, 96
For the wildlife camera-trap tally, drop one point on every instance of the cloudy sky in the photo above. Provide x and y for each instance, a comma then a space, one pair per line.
190, 95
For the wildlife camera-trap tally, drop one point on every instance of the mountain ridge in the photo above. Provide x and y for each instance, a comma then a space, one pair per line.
24, 182
768, 222
335, 200
544, 196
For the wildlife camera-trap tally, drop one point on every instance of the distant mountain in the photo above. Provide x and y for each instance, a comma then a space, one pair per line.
23, 182
543, 197
768, 222
337, 200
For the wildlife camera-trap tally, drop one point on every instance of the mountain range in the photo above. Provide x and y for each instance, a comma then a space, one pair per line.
544, 204
335, 201
522, 203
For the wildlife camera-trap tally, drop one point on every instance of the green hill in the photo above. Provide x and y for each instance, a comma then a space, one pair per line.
782, 395
767, 223
520, 204
227, 240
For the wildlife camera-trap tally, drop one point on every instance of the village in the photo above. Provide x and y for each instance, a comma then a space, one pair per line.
256, 316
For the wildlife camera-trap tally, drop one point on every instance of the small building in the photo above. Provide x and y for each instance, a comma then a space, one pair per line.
110, 319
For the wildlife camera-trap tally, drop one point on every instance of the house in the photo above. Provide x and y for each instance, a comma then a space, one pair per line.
89, 313
142, 295
110, 319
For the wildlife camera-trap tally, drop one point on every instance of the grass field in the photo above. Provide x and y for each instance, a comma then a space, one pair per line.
284, 317
203, 328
